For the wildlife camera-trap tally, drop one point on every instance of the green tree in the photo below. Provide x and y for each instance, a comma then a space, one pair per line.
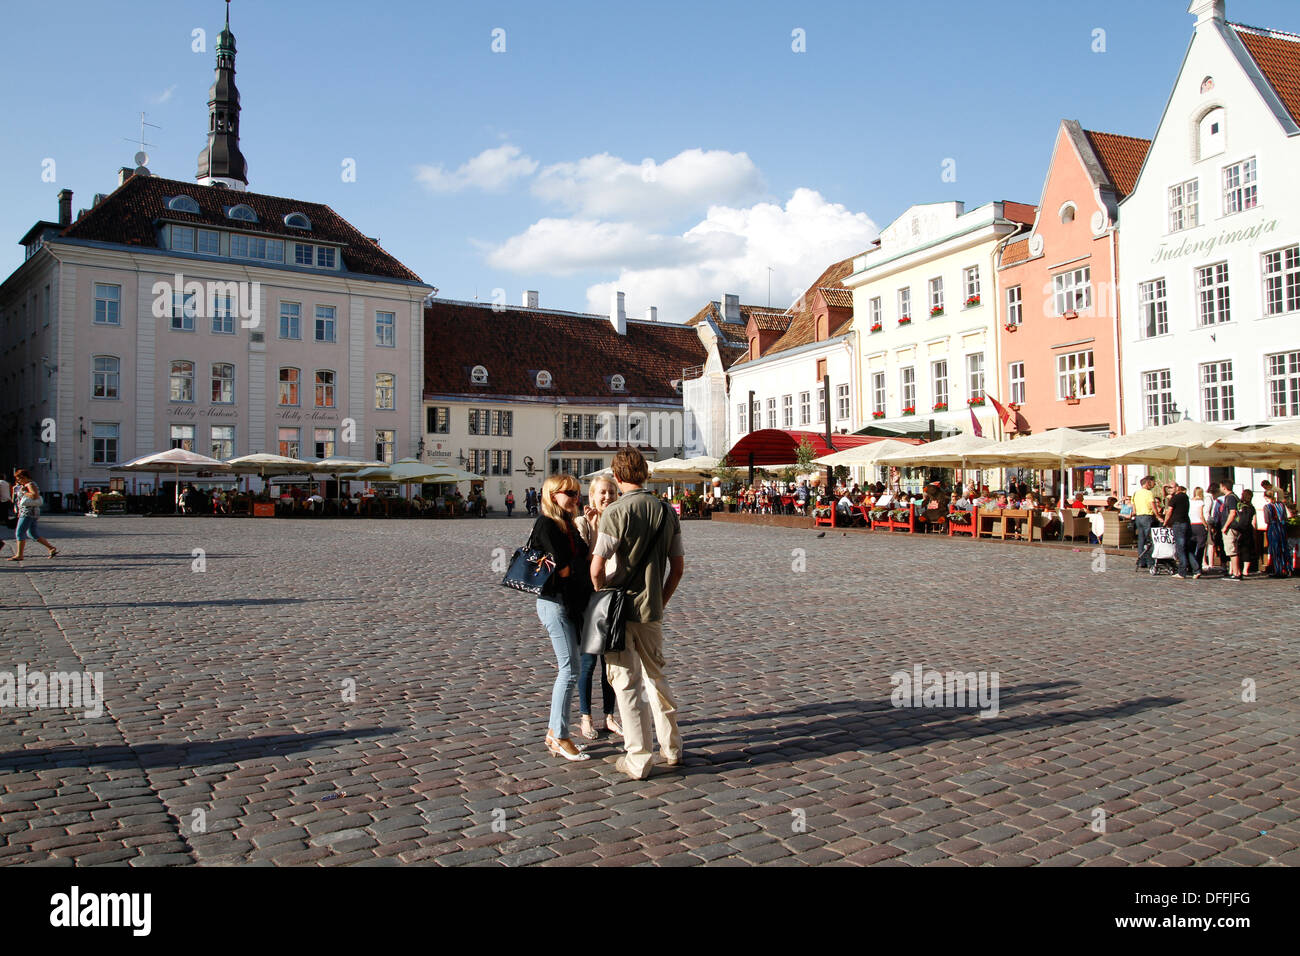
804, 456
727, 473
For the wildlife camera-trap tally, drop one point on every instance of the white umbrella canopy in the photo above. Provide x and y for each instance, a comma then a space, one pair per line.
950, 452
863, 455
1278, 444
406, 470
593, 475
448, 474
682, 469
1041, 450
263, 464
337, 465
173, 458
1174, 444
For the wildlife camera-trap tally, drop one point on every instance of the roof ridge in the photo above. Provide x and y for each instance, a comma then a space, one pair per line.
1266, 31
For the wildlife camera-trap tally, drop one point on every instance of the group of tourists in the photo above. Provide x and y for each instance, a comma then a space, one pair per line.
625, 538
23, 499
1218, 529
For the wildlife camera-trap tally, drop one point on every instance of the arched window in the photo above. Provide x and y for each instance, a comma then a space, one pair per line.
324, 388
617, 383
543, 379
1209, 134
1067, 213
290, 378
183, 204
296, 220
243, 212
107, 377
182, 381
479, 375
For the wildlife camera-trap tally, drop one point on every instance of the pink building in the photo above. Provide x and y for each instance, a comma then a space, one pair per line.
1060, 334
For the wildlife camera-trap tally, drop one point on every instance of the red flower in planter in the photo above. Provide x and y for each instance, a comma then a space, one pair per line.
940, 406
909, 410
975, 401
905, 320
877, 414
876, 327
973, 300
937, 310
1011, 326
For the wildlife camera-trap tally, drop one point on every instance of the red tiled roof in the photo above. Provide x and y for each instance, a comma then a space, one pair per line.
128, 216
840, 298
582, 353
770, 321
1277, 55
1121, 157
1017, 251
802, 328
1021, 212
732, 332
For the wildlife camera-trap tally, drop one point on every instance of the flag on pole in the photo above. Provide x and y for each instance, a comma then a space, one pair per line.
975, 425
1004, 413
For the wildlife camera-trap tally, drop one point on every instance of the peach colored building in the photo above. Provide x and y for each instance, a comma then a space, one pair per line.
1058, 339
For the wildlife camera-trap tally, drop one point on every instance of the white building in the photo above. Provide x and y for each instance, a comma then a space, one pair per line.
1209, 272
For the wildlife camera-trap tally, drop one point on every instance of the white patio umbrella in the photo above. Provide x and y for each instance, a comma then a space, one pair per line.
1271, 446
263, 464
174, 458
1047, 449
863, 455
1187, 443
449, 474
338, 465
593, 475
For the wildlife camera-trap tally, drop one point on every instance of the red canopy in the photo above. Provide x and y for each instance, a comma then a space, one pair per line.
776, 446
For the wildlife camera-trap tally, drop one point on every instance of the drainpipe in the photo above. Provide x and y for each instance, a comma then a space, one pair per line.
1119, 391
994, 257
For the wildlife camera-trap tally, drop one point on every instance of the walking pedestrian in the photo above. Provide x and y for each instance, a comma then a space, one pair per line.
1178, 520
646, 537
602, 494
510, 503
6, 502
29, 509
562, 604
1228, 507
1198, 517
1279, 549
1144, 516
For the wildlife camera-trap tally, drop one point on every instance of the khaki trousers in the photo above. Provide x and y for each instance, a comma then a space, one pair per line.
642, 664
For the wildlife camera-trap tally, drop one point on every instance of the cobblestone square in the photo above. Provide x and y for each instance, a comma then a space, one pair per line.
337, 692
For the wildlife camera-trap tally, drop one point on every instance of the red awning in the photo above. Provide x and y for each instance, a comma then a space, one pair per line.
775, 446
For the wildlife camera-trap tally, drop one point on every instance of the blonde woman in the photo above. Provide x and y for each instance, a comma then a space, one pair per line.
601, 495
562, 603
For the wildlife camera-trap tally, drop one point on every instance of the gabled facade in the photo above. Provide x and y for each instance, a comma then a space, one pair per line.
926, 317
1056, 287
1209, 273
787, 356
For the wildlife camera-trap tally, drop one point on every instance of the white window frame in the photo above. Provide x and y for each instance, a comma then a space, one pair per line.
1015, 306
106, 380
935, 291
385, 392
1016, 376
805, 408
1068, 287
876, 311
205, 238
1153, 308
1281, 271
1157, 397
787, 411
1282, 371
1184, 205
842, 403
905, 302
1213, 295
878, 393
386, 445
324, 447
105, 454
1240, 186
182, 377
110, 296
939, 383
1218, 399
971, 282
907, 388
1076, 374
771, 413
386, 330
975, 375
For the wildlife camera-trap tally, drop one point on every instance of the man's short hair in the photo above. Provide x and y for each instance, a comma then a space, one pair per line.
629, 466
1146, 478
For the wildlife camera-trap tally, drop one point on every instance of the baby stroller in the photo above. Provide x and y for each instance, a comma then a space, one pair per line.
1163, 552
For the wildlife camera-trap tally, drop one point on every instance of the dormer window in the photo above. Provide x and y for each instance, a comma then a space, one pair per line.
242, 212
617, 384
479, 375
1209, 134
1067, 213
296, 220
183, 204
543, 379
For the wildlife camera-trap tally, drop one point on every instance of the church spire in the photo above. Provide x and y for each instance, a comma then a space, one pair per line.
221, 163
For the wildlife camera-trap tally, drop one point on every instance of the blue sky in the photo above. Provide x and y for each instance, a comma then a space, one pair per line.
674, 151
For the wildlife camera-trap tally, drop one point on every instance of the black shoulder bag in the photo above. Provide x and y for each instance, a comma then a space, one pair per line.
530, 569
603, 622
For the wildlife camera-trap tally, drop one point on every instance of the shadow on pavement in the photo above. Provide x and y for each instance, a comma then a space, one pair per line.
820, 730
230, 602
195, 754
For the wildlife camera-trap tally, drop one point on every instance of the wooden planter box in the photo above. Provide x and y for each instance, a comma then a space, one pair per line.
263, 509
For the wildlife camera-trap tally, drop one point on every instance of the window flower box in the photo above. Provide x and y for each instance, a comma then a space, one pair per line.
876, 327
975, 402
959, 517
1011, 327
909, 410
905, 320
940, 406
877, 414
936, 311
972, 302
1069, 314
1072, 400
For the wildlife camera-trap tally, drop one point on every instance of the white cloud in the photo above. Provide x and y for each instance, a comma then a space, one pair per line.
605, 186
165, 95
491, 170
732, 249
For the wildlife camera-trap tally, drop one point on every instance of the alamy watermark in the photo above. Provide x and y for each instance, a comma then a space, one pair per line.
922, 688
659, 427
223, 301
62, 690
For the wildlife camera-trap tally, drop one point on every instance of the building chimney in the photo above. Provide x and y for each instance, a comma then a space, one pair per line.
65, 207
99, 198
730, 308
618, 313
652, 314
123, 174
530, 299
1205, 10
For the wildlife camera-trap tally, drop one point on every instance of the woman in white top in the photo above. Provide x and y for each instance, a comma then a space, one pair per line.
601, 495
1197, 514
28, 501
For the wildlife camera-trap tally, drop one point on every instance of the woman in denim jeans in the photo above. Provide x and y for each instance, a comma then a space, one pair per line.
26, 495
602, 493
561, 605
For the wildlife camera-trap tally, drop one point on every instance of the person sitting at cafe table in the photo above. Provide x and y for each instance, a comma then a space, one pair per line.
1077, 504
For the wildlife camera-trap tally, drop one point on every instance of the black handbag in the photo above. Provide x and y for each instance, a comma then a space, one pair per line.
603, 623
530, 569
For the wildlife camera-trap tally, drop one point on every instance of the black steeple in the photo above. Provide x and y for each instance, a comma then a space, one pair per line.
221, 162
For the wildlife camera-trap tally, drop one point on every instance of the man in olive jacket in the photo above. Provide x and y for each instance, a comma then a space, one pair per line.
639, 528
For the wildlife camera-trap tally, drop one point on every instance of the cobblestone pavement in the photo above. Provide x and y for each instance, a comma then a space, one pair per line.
1121, 735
